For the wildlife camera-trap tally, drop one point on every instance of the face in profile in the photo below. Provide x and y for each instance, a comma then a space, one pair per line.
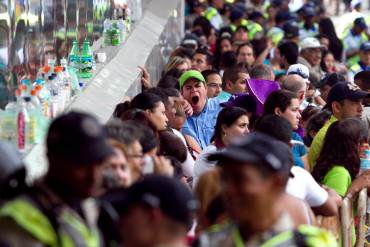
158, 116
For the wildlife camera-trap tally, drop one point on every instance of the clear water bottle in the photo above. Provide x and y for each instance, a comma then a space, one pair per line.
365, 161
54, 96
8, 123
66, 80
22, 122
122, 28
43, 96
32, 124
106, 33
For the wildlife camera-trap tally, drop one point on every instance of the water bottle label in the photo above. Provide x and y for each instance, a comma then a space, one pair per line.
21, 131
365, 164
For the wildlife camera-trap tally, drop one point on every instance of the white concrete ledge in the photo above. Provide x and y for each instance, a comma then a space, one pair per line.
119, 77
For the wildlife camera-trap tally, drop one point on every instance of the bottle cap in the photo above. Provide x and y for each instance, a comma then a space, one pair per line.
58, 69
33, 92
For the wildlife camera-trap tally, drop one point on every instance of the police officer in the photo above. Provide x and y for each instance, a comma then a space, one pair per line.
254, 172
56, 211
309, 27
352, 40
363, 64
213, 15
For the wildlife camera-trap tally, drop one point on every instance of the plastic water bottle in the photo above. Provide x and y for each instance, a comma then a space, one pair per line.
22, 122
54, 96
122, 28
66, 80
75, 87
43, 96
51, 64
106, 32
115, 35
8, 123
32, 125
86, 61
365, 161
74, 56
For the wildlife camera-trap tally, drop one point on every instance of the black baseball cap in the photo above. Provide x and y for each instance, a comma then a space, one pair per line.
169, 195
360, 22
331, 79
255, 15
291, 30
258, 149
78, 137
345, 90
365, 46
309, 11
282, 16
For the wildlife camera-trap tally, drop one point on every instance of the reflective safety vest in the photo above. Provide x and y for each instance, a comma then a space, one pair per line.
276, 34
355, 68
253, 28
309, 236
212, 15
72, 230
303, 236
355, 59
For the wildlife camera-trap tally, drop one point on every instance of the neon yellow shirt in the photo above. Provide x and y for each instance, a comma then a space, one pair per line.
339, 179
318, 141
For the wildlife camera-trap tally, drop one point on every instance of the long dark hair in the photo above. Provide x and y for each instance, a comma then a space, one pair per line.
227, 116
218, 54
135, 110
322, 63
335, 44
341, 147
145, 101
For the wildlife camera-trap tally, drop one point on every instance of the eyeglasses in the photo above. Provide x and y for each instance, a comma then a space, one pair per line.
213, 84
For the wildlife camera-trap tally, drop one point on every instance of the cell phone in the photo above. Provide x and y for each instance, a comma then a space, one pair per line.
110, 179
148, 165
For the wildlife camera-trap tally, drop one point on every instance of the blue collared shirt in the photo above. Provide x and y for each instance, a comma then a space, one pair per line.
224, 96
202, 126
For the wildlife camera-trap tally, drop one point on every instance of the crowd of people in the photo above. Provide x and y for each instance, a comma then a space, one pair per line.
259, 124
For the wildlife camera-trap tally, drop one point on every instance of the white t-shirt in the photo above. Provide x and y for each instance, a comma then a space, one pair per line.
304, 187
202, 164
188, 164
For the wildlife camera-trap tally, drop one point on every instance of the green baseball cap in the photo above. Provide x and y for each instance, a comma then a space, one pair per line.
191, 74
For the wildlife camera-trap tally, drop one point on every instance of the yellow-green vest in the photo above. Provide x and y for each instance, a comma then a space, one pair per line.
71, 229
253, 28
355, 59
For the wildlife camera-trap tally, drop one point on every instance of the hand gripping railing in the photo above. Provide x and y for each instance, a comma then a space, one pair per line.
347, 219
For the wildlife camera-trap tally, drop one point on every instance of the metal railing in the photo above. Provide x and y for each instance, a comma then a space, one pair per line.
348, 219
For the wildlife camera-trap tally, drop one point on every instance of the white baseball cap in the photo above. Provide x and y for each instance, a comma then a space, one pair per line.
355, 2
310, 42
299, 69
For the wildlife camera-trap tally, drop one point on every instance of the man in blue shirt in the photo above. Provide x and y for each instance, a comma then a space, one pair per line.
199, 126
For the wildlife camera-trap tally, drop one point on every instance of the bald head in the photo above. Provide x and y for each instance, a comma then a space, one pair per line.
296, 84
